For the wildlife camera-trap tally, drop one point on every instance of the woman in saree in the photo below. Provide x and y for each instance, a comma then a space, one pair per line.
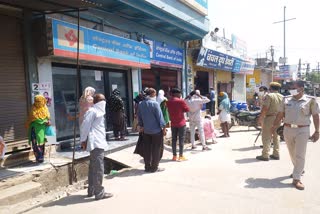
39, 119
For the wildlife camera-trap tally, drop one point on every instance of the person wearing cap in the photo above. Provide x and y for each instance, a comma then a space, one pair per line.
177, 107
270, 109
296, 111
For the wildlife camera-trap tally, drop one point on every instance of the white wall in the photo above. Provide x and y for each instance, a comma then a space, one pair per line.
45, 76
135, 81
239, 89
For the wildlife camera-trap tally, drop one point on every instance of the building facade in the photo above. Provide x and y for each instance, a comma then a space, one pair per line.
126, 45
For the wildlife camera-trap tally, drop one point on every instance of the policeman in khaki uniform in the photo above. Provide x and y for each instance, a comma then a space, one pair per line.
270, 109
295, 111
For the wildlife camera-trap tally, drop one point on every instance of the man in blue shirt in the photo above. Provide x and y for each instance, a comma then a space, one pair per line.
212, 102
152, 125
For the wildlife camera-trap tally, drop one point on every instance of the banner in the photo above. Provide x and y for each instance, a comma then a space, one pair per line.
98, 46
286, 72
216, 60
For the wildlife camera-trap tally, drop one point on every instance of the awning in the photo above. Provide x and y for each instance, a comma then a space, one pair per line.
50, 5
148, 15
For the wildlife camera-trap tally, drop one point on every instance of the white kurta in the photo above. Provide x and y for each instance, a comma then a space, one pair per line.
224, 116
93, 128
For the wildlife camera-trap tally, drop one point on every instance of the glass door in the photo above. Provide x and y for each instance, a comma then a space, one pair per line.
117, 80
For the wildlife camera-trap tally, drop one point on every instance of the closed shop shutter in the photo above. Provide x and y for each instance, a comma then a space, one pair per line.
168, 80
148, 79
13, 106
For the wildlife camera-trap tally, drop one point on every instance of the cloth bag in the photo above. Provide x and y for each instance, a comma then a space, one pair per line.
50, 131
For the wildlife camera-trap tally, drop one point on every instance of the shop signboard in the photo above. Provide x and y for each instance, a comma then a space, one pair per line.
285, 72
98, 46
164, 54
201, 6
216, 60
247, 67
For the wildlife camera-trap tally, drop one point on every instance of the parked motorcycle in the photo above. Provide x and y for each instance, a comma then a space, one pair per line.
245, 118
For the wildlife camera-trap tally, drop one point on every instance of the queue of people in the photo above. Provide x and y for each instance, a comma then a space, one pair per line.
154, 113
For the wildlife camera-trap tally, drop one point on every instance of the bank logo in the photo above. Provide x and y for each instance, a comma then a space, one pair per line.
68, 37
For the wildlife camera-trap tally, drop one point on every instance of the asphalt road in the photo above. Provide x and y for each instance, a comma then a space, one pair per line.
227, 179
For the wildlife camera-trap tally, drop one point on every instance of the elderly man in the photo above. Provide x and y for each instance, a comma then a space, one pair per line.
152, 125
195, 102
93, 135
295, 111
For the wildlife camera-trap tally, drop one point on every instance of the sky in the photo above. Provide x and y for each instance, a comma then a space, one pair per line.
252, 21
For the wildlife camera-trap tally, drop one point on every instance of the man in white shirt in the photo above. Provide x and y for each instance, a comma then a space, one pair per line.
195, 102
93, 135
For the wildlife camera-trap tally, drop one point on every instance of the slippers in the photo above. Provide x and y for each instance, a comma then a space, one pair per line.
123, 139
223, 136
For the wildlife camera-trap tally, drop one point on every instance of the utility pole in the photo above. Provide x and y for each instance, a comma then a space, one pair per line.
299, 69
284, 32
272, 58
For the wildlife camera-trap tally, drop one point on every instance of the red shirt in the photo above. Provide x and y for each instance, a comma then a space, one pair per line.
177, 107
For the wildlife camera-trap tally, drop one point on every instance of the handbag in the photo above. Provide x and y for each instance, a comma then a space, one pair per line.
50, 131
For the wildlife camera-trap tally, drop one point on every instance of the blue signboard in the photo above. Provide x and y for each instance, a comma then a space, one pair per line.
216, 60
98, 46
165, 55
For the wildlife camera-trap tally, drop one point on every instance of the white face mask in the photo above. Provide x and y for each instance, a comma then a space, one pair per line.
260, 93
294, 92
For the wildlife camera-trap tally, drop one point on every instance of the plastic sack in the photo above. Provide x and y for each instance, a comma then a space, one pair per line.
50, 131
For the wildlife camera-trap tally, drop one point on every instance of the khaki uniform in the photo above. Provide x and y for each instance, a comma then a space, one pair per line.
273, 102
298, 112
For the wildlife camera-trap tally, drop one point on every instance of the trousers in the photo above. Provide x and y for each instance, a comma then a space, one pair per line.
96, 172
152, 144
181, 132
296, 140
267, 136
199, 125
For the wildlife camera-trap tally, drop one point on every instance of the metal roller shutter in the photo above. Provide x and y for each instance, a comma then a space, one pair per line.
13, 106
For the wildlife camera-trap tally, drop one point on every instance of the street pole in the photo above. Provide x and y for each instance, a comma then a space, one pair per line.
272, 58
284, 32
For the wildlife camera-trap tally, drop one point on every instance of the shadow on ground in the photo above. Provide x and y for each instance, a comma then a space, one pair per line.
246, 149
266, 183
70, 200
247, 160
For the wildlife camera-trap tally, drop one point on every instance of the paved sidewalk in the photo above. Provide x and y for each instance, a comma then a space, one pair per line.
227, 179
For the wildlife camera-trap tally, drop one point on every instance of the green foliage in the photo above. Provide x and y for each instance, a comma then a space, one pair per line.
313, 77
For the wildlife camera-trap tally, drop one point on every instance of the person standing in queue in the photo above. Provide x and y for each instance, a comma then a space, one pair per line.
177, 107
270, 109
153, 127
296, 111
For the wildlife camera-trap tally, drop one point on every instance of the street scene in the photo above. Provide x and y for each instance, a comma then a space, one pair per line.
153, 106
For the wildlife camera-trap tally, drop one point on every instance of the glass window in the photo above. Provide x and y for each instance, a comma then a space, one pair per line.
93, 78
64, 86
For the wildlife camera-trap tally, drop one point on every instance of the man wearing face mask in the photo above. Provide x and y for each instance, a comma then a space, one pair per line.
263, 91
270, 109
152, 125
295, 111
93, 135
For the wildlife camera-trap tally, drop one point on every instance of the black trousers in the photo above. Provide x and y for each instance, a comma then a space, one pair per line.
152, 150
213, 108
